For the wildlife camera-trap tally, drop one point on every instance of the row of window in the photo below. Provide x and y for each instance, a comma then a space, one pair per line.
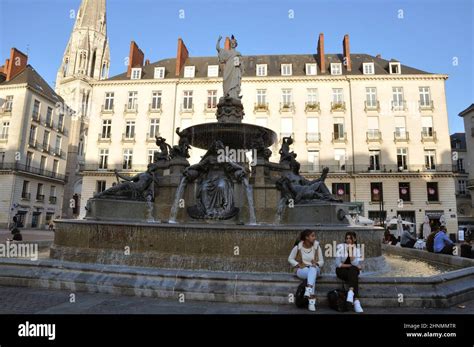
398, 101
39, 197
342, 191
375, 162
261, 70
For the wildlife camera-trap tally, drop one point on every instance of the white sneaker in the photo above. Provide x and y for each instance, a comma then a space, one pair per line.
312, 305
357, 306
308, 292
350, 296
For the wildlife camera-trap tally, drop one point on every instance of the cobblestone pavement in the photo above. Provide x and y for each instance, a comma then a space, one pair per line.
19, 300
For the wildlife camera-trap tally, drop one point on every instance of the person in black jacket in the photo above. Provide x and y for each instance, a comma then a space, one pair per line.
15, 231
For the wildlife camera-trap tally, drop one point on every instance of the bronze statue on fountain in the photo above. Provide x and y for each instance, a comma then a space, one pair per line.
215, 193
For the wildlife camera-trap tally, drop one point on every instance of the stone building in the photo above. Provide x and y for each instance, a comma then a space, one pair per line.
34, 136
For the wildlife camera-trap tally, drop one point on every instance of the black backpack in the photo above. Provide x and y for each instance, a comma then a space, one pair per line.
300, 300
337, 300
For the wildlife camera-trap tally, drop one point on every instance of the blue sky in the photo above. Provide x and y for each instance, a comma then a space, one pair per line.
429, 36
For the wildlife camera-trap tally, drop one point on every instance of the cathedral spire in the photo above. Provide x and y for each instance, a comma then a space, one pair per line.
87, 53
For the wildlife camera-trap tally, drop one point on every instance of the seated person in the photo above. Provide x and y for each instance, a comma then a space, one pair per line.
407, 240
430, 240
442, 243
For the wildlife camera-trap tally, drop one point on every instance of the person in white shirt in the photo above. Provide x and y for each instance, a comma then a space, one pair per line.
348, 258
307, 258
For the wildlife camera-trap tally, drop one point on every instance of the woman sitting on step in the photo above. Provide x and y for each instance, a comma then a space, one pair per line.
348, 258
307, 258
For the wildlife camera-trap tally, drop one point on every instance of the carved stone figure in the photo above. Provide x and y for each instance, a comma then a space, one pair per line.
233, 68
215, 193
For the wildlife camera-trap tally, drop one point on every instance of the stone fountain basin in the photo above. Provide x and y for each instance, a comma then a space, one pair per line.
233, 135
199, 246
442, 290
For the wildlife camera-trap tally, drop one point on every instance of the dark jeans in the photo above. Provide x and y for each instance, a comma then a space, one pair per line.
448, 249
409, 244
350, 275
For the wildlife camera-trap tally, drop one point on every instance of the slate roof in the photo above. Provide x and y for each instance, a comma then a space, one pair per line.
467, 110
273, 62
34, 80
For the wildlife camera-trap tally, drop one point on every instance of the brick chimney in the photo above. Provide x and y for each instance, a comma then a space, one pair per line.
14, 65
321, 59
346, 52
135, 59
227, 43
181, 56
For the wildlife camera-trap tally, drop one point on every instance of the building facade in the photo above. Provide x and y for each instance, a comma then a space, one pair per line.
34, 136
468, 117
380, 126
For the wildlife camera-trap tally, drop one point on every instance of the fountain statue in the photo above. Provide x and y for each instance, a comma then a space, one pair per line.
233, 68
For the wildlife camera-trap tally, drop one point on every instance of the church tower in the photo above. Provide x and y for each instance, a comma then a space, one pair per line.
85, 60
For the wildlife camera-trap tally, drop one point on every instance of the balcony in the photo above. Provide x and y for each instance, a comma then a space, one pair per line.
155, 108
59, 153
46, 148
53, 200
401, 136
426, 106
339, 137
26, 196
15, 166
470, 184
3, 137
130, 108
287, 107
399, 105
35, 117
210, 107
152, 137
186, 108
60, 128
40, 198
32, 143
261, 107
373, 135
338, 106
6, 110
112, 167
428, 136
317, 167
312, 106
372, 106
394, 168
128, 138
104, 138
313, 137
108, 108
48, 123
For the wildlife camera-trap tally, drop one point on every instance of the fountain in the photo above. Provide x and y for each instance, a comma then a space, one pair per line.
217, 214
219, 231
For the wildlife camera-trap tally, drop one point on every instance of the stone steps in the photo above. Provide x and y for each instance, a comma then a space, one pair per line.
437, 291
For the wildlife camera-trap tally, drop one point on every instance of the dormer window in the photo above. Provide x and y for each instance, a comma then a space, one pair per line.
286, 69
159, 72
394, 68
311, 69
189, 71
213, 71
368, 68
136, 73
336, 69
261, 69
